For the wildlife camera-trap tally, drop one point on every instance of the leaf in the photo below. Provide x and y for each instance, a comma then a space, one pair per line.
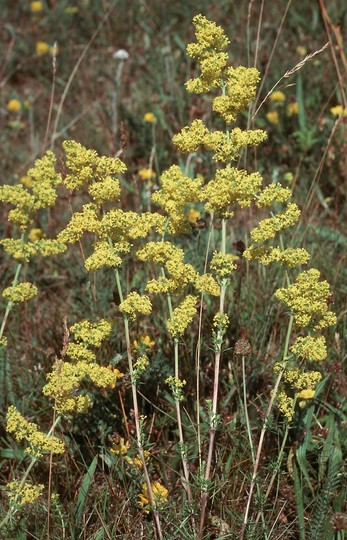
84, 489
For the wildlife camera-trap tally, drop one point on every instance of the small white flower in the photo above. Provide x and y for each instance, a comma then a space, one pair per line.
121, 54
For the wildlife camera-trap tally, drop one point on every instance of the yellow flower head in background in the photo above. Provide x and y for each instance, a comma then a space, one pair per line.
193, 215
149, 117
272, 117
302, 51
338, 110
41, 48
292, 108
144, 342
14, 105
36, 7
146, 174
278, 96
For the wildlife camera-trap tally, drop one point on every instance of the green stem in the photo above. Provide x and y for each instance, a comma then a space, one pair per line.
264, 428
137, 415
185, 464
213, 420
249, 432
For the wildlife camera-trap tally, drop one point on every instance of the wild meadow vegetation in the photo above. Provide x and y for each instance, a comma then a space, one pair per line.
173, 292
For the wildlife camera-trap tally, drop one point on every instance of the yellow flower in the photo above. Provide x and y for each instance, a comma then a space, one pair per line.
120, 447
36, 7
193, 215
306, 394
160, 495
14, 105
272, 117
288, 177
22, 494
292, 108
338, 110
144, 342
20, 292
35, 234
278, 96
146, 174
302, 51
41, 48
149, 117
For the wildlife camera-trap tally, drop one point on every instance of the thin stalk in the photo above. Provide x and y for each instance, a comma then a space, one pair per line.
264, 428
10, 303
137, 415
276, 470
185, 465
198, 349
213, 423
249, 433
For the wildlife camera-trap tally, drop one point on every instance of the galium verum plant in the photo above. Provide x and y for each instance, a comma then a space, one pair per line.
154, 239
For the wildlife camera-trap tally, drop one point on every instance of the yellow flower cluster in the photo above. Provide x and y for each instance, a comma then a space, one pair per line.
298, 382
338, 110
310, 348
20, 292
290, 257
140, 367
39, 442
211, 40
21, 250
268, 228
120, 447
182, 316
36, 6
149, 117
92, 333
307, 299
278, 97
160, 496
241, 83
171, 257
225, 147
223, 264
292, 108
114, 229
14, 105
43, 193
66, 378
146, 173
144, 343
230, 186
176, 386
86, 167
177, 191
135, 305
285, 405
207, 284
21, 494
